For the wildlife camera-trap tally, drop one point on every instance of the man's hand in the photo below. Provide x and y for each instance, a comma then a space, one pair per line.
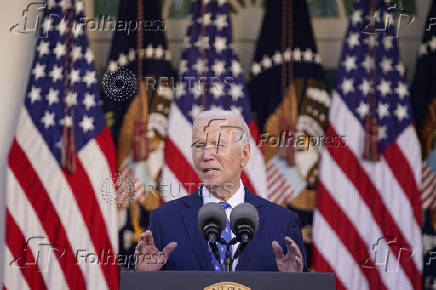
148, 256
292, 261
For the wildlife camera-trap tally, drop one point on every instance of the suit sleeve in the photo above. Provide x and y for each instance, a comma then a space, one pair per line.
156, 229
294, 232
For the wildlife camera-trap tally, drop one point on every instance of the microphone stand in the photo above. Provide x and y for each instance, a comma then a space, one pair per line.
241, 247
243, 240
213, 237
228, 261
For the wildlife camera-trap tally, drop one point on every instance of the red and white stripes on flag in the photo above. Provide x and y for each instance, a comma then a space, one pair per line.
60, 233
367, 224
428, 193
367, 221
280, 189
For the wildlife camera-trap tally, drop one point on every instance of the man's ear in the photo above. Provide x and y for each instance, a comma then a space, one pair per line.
245, 155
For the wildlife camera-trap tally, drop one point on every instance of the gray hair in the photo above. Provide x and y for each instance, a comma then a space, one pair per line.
245, 138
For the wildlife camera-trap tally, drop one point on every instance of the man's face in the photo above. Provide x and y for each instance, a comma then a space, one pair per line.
218, 157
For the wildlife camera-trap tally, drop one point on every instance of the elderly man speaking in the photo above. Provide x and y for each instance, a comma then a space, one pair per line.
220, 150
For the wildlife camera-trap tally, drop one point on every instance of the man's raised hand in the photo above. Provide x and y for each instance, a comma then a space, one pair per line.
292, 261
148, 257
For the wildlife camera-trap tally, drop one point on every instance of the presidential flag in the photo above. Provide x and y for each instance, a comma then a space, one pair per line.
289, 100
367, 225
61, 233
210, 77
139, 57
424, 105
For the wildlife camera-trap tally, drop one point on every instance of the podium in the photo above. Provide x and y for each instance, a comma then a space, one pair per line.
199, 280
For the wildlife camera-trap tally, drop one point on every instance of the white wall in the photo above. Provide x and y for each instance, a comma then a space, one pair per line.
16, 53
329, 33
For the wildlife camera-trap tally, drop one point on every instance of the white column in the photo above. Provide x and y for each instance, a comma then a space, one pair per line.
16, 53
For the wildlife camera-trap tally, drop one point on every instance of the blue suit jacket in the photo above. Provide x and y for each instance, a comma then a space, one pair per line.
177, 221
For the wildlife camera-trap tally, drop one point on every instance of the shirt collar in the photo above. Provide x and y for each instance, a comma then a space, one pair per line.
234, 200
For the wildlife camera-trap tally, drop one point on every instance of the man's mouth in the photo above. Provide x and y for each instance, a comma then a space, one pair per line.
209, 170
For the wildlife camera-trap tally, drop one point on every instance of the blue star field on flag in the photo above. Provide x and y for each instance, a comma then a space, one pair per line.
45, 100
393, 108
208, 54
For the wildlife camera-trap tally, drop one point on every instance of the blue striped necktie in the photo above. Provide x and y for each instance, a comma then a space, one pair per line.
226, 234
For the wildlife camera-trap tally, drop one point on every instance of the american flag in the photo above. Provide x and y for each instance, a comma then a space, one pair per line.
207, 53
55, 217
368, 217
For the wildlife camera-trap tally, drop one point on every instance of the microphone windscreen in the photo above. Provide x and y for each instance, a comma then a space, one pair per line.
211, 212
245, 213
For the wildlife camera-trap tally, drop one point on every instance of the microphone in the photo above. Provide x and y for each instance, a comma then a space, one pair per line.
244, 221
211, 221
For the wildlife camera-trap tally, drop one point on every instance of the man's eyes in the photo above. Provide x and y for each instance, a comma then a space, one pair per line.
200, 146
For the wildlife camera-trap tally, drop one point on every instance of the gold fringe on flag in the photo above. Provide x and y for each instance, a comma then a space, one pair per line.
371, 150
135, 213
433, 218
371, 144
287, 124
140, 140
68, 143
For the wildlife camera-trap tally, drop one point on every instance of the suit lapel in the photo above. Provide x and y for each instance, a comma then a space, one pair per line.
247, 252
190, 216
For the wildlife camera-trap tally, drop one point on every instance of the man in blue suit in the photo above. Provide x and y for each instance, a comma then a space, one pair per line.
220, 150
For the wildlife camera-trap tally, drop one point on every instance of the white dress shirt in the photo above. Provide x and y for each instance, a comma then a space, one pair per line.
236, 199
